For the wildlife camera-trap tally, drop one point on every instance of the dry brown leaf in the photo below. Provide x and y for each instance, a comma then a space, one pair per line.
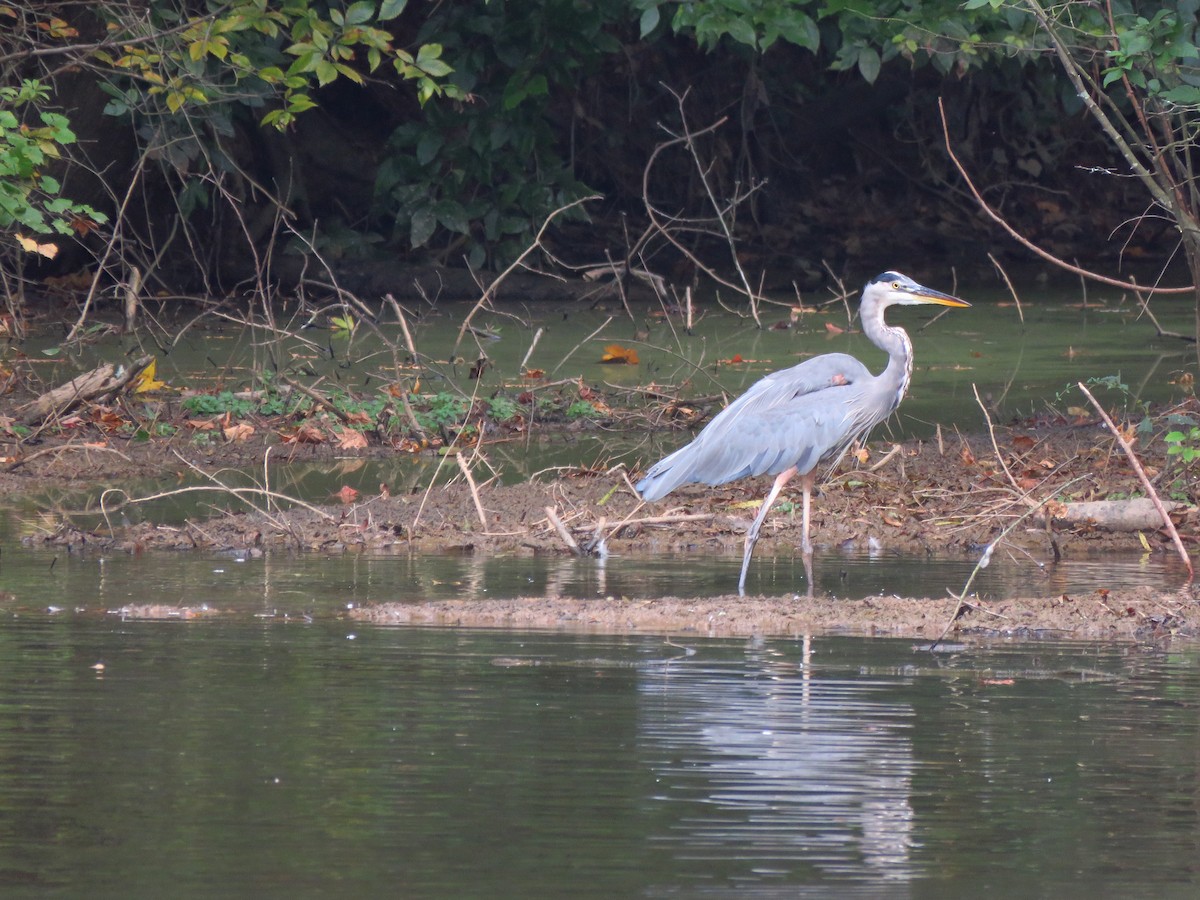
241, 431
350, 439
306, 434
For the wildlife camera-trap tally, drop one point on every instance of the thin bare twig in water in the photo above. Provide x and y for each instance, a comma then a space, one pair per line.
563, 533
572, 351
965, 605
466, 470
1012, 290
1146, 485
16, 464
537, 336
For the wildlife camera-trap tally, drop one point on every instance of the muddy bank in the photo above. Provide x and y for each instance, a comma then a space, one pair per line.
921, 497
1130, 615
1126, 615
948, 498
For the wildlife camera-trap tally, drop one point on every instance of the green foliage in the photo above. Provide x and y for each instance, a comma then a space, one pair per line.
219, 404
440, 410
502, 409
485, 174
1184, 445
30, 198
252, 52
1158, 55
757, 25
581, 409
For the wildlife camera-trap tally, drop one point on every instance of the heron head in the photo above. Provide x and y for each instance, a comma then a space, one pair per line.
893, 288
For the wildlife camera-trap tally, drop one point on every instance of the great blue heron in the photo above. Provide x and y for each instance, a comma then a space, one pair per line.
795, 420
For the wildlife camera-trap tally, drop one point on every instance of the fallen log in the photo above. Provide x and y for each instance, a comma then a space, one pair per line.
1136, 514
102, 381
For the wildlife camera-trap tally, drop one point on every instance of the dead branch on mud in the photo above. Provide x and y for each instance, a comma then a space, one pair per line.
1141, 474
103, 381
55, 451
563, 531
1133, 514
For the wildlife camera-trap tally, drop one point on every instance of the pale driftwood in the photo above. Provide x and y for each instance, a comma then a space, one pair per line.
1115, 515
563, 533
466, 470
101, 382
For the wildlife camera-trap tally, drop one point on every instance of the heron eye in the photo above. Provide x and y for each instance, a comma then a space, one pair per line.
895, 285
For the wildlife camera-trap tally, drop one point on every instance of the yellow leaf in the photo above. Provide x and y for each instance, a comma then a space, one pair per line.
615, 353
147, 379
29, 245
1145, 543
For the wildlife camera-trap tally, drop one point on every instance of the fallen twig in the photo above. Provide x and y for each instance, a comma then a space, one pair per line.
13, 466
1012, 290
466, 470
1146, 485
562, 530
101, 382
963, 604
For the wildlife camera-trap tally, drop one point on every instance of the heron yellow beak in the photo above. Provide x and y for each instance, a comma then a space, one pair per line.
928, 295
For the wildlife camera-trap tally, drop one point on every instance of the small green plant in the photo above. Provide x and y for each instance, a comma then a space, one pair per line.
1184, 445
502, 409
30, 198
440, 410
219, 404
581, 409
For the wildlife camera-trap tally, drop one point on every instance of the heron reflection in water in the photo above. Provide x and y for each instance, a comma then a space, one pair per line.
795, 421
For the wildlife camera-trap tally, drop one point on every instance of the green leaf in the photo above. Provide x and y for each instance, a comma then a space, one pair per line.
452, 216
1184, 95
326, 72
742, 31
868, 64
428, 147
424, 222
649, 21
389, 9
360, 12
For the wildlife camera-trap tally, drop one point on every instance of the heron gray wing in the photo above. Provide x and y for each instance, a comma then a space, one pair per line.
794, 417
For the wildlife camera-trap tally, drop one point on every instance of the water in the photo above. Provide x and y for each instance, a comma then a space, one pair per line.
1020, 360
311, 584
218, 758
283, 751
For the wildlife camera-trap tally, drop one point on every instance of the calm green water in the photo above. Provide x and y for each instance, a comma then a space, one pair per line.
225, 759
1019, 365
283, 752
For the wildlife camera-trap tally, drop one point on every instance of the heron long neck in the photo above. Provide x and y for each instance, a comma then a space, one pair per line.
893, 381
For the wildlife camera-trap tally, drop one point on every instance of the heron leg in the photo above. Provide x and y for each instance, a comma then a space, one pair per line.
807, 482
752, 534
